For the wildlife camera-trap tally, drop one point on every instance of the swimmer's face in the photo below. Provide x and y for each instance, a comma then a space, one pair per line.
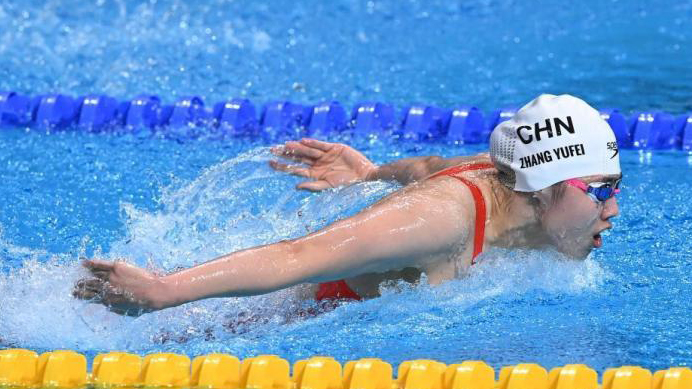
574, 221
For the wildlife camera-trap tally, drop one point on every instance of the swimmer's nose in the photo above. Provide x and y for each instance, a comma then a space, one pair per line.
611, 208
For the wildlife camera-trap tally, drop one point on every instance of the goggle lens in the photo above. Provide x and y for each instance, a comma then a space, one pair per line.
603, 190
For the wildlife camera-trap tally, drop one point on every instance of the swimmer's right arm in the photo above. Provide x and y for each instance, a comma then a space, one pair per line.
405, 229
335, 164
408, 170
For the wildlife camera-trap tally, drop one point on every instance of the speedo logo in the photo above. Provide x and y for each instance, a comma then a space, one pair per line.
550, 128
613, 146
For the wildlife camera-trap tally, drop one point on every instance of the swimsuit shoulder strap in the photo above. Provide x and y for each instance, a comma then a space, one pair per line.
477, 199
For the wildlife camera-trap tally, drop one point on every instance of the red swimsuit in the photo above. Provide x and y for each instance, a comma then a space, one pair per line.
340, 290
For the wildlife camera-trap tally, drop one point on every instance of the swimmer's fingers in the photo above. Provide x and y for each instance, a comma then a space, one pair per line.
91, 284
106, 294
317, 144
298, 152
299, 159
101, 292
292, 169
314, 186
103, 275
120, 302
85, 294
79, 291
304, 150
99, 268
281, 151
98, 265
88, 288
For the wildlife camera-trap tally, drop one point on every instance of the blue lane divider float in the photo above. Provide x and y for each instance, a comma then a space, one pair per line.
618, 122
186, 111
236, 116
424, 122
55, 111
143, 111
327, 118
97, 112
500, 115
684, 125
15, 109
371, 118
285, 119
467, 125
657, 130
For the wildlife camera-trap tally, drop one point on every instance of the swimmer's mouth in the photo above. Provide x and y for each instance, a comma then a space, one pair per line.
597, 241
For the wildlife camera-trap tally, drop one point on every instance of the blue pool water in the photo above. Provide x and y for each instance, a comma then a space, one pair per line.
167, 202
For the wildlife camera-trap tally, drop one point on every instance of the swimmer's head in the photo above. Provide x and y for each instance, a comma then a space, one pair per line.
549, 141
572, 219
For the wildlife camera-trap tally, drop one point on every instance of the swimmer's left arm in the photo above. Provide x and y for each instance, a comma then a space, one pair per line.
405, 229
402, 230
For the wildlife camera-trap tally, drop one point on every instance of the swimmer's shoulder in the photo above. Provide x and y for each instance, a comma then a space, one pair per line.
481, 158
453, 200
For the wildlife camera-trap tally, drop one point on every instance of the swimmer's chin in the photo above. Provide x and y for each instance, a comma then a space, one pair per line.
576, 254
580, 250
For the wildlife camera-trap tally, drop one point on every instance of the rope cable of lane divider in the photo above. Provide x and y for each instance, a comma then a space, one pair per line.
239, 117
68, 369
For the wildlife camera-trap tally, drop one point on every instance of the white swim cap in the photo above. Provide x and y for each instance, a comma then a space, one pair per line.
552, 139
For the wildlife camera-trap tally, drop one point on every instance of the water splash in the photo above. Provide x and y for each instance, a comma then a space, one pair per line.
221, 211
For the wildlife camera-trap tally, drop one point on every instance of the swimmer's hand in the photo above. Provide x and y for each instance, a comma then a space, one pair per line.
123, 288
330, 165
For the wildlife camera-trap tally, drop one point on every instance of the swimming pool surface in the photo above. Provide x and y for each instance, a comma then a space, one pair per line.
167, 201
